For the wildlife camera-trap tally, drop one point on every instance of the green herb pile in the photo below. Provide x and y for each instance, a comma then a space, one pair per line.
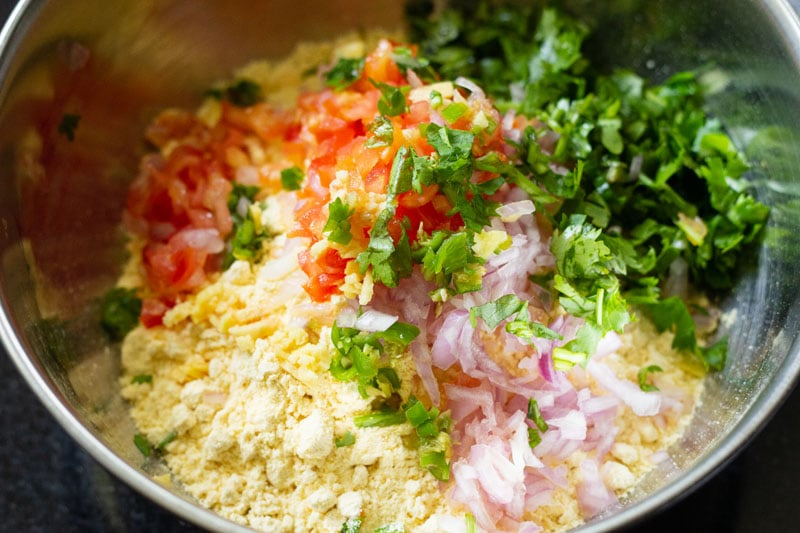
642, 175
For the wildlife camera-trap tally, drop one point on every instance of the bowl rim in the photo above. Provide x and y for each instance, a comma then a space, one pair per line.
785, 19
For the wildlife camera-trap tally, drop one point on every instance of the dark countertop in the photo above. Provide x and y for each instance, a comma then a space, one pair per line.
48, 483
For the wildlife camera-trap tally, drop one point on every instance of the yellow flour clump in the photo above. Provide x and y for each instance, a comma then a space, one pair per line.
257, 417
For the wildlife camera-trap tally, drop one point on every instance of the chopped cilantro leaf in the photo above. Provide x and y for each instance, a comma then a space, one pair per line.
405, 59
449, 261
389, 261
654, 178
393, 99
452, 171
171, 436
453, 146
642, 377
672, 314
245, 242
243, 93
292, 178
381, 133
120, 309
381, 419
526, 329
366, 357
536, 415
495, 312
400, 333
578, 350
143, 445
142, 378
338, 224
344, 73
348, 439
351, 525
400, 176
588, 283
714, 356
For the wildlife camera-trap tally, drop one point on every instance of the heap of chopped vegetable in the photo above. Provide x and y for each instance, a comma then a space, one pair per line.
644, 179
373, 139
485, 192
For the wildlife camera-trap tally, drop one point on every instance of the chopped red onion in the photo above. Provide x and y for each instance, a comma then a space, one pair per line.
470, 86
373, 321
242, 206
467, 491
413, 79
512, 211
642, 403
610, 343
347, 318
529, 527
284, 265
572, 425
593, 496
437, 118
497, 475
510, 133
445, 344
464, 401
204, 239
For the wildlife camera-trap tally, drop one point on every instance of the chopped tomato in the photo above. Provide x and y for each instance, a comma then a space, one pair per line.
336, 126
330, 134
260, 119
172, 269
153, 310
380, 66
377, 179
310, 218
188, 189
413, 199
325, 273
428, 218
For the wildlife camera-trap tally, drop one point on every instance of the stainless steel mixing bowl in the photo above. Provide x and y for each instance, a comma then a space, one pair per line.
114, 63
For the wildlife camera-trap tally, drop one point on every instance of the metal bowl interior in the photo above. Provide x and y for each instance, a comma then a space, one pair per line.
61, 246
